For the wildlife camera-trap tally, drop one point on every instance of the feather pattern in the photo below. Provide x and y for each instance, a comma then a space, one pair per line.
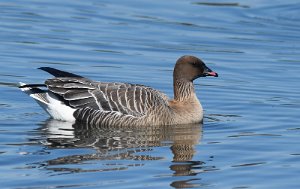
103, 102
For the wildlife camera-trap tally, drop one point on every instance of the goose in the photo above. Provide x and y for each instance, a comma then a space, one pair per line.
73, 98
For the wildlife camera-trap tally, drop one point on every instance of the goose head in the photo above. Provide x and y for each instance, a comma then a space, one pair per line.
189, 68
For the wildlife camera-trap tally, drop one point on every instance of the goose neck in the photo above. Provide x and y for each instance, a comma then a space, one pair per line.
183, 89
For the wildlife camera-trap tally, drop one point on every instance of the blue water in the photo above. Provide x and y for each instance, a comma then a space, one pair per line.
250, 136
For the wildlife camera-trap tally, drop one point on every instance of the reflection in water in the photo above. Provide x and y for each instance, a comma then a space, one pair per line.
130, 143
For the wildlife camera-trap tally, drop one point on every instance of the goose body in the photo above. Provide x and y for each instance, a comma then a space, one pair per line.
70, 97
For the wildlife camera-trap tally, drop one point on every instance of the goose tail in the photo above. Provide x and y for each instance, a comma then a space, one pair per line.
56, 108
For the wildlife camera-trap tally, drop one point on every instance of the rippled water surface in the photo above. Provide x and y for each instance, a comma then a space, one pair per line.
251, 133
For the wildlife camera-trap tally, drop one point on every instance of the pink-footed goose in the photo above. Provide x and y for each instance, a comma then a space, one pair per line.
71, 97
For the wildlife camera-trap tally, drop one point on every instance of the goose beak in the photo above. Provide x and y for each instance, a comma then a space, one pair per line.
209, 72
214, 74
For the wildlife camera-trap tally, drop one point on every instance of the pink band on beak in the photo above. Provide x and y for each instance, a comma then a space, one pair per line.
214, 74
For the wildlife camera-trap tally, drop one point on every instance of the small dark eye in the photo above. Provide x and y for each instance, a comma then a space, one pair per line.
194, 63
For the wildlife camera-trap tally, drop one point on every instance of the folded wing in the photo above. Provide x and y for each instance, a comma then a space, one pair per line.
124, 98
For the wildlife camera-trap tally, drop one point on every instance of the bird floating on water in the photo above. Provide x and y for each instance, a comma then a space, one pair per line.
70, 97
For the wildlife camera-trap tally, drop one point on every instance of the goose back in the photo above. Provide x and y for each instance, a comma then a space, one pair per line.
109, 103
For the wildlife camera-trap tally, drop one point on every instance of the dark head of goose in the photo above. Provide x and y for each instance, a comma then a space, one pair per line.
190, 68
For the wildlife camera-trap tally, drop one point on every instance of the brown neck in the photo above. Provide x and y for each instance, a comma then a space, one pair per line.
183, 89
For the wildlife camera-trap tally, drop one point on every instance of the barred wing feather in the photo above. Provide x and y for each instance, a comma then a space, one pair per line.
124, 98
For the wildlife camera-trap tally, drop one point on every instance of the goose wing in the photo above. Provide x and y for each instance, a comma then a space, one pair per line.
128, 99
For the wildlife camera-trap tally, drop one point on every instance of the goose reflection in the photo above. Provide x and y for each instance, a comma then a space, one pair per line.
123, 143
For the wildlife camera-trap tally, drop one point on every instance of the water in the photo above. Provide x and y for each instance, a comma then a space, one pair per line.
250, 135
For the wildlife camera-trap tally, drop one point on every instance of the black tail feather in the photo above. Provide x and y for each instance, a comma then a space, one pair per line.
33, 85
58, 73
